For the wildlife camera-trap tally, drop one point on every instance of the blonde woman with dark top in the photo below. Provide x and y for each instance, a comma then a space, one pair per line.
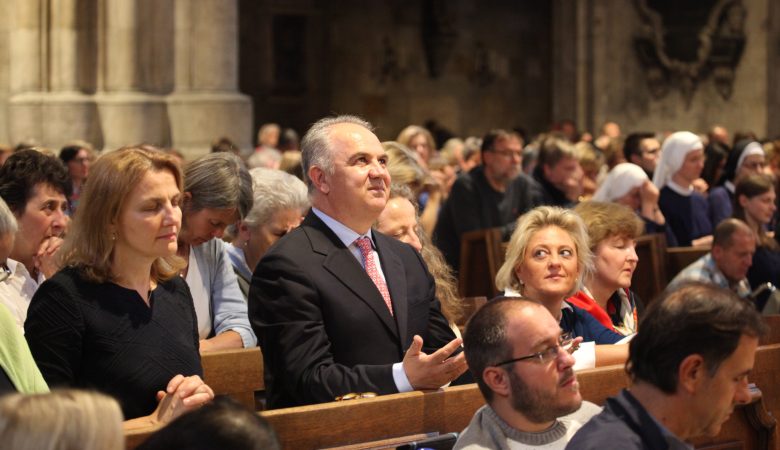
118, 318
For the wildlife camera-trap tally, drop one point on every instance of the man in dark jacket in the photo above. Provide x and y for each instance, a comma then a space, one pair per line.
689, 368
474, 201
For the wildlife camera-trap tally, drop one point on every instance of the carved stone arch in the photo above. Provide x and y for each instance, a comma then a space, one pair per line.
674, 54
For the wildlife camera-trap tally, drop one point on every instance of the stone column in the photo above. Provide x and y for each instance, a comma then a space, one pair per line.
206, 103
47, 103
128, 114
26, 70
68, 112
572, 62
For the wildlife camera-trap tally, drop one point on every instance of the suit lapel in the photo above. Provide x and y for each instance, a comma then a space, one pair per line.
341, 263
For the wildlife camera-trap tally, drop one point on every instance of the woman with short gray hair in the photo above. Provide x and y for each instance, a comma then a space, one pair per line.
280, 202
217, 193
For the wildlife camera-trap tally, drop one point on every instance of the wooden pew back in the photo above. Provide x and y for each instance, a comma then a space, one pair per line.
450, 410
480, 258
365, 420
678, 258
650, 274
413, 413
773, 336
237, 373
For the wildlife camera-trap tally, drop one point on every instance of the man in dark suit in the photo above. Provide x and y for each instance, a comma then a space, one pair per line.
334, 313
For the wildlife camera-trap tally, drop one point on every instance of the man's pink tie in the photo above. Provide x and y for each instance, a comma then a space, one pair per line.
364, 244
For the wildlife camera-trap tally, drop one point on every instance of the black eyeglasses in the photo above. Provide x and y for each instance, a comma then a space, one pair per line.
5, 272
565, 342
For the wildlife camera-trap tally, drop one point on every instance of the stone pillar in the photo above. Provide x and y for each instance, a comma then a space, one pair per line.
572, 88
26, 70
206, 104
47, 104
128, 115
68, 113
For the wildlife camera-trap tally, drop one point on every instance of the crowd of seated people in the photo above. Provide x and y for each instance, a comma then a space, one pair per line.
118, 274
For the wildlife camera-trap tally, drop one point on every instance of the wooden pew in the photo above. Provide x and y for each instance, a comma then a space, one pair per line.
773, 336
237, 373
367, 420
678, 258
650, 275
481, 256
415, 414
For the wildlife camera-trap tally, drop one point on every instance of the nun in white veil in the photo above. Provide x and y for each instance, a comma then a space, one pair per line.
685, 210
628, 184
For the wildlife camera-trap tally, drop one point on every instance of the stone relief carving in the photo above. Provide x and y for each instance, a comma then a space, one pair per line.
439, 34
389, 66
682, 43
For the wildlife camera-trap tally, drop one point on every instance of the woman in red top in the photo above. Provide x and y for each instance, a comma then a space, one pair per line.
613, 229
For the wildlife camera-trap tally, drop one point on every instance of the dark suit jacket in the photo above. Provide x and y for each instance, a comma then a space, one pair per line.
322, 324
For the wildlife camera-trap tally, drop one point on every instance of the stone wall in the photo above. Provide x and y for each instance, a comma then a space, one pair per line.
510, 43
368, 58
618, 89
174, 72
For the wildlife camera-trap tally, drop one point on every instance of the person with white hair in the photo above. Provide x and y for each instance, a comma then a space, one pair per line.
628, 184
746, 158
685, 210
280, 202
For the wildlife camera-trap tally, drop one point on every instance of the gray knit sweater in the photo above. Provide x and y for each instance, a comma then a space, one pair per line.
488, 431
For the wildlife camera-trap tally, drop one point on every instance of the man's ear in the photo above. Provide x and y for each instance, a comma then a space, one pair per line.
717, 252
319, 179
691, 373
742, 201
497, 380
546, 169
486, 157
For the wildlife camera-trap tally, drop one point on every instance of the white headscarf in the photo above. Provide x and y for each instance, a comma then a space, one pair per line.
673, 153
620, 181
754, 148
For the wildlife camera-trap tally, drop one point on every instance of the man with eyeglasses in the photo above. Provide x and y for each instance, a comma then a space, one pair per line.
473, 203
524, 369
689, 369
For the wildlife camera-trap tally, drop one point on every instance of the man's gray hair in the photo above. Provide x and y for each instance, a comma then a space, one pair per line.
7, 220
316, 144
219, 181
274, 190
